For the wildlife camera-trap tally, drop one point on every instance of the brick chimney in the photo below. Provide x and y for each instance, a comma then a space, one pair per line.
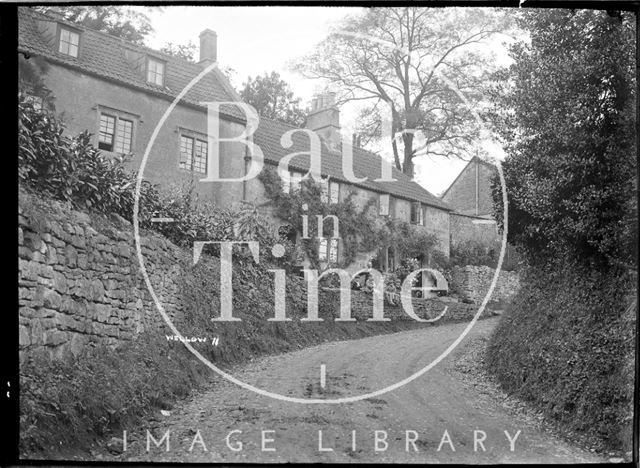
324, 119
208, 47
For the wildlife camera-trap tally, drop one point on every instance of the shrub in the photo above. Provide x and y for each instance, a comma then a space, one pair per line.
360, 229
566, 344
193, 219
72, 169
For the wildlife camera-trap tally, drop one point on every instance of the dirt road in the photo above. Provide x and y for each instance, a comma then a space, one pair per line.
431, 419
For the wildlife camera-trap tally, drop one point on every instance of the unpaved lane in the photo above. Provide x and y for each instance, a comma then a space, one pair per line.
436, 411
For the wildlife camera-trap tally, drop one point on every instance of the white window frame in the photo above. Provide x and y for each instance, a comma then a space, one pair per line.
190, 163
334, 197
292, 181
67, 45
155, 68
383, 204
328, 249
119, 132
323, 250
333, 249
418, 212
324, 185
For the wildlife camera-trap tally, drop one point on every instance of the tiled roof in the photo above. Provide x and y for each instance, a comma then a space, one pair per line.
106, 56
365, 163
473, 159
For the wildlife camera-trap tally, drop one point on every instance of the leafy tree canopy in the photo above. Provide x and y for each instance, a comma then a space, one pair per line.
565, 112
408, 66
273, 98
122, 21
185, 51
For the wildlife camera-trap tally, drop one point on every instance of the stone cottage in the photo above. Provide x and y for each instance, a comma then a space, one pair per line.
119, 91
470, 197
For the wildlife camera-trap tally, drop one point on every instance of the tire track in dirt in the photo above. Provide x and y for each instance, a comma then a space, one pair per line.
430, 405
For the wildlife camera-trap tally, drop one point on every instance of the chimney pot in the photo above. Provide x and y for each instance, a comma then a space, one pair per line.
208, 47
330, 99
325, 119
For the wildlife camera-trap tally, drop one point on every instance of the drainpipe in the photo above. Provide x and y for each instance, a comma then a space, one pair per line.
247, 158
477, 189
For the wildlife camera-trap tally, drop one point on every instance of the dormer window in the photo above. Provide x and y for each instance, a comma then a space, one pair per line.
68, 42
416, 213
155, 72
384, 204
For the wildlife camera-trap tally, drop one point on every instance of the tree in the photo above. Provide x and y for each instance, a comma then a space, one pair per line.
565, 112
31, 70
395, 60
272, 98
184, 51
124, 22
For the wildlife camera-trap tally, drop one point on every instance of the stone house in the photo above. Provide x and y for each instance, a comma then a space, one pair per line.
119, 91
470, 197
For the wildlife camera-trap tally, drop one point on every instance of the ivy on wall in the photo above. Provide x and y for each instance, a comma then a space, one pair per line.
360, 228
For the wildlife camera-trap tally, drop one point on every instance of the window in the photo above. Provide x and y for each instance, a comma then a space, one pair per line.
384, 204
291, 181
333, 250
193, 154
115, 134
416, 213
391, 259
322, 250
334, 192
296, 181
324, 185
68, 42
332, 245
155, 72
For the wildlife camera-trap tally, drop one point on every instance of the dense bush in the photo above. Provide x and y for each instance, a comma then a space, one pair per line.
566, 344
65, 404
565, 110
193, 219
72, 169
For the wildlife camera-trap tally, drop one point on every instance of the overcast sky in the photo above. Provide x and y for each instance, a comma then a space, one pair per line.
255, 40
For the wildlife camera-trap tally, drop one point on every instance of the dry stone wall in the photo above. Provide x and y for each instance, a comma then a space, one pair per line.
79, 282
471, 283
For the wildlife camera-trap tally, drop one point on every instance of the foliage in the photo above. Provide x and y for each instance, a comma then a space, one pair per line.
565, 111
193, 219
360, 229
121, 21
71, 169
184, 51
31, 70
473, 252
566, 344
60, 406
392, 58
272, 98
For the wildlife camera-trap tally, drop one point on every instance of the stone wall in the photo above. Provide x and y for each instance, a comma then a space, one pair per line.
463, 229
79, 281
470, 193
362, 307
471, 283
